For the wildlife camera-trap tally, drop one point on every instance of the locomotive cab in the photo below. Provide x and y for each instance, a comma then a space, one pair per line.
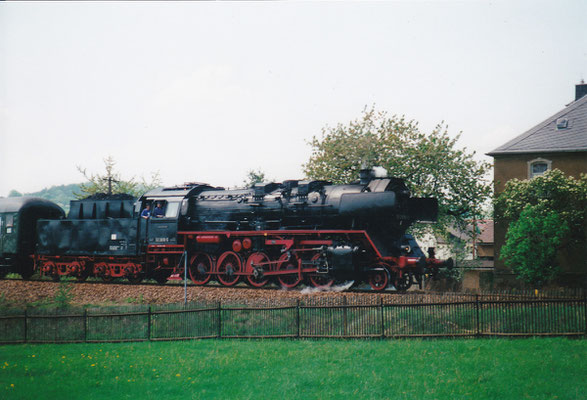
161, 228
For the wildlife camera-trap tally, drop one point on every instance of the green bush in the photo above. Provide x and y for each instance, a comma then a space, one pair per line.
532, 243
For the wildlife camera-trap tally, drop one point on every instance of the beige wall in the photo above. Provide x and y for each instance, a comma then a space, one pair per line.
516, 166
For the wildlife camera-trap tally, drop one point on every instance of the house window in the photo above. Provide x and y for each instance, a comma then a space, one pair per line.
538, 167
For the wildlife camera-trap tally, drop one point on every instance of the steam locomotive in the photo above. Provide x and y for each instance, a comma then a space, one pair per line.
286, 233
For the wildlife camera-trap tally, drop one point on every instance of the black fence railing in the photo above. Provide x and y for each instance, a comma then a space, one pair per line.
352, 316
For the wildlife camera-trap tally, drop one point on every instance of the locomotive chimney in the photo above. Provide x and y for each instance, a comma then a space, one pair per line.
580, 90
365, 176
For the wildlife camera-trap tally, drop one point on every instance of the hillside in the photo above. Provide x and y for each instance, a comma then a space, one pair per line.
61, 194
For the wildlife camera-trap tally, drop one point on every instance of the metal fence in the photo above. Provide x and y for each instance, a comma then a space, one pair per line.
351, 316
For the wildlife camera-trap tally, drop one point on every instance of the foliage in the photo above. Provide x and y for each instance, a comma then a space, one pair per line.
63, 296
14, 193
112, 182
253, 177
544, 368
532, 242
61, 195
547, 214
553, 191
431, 163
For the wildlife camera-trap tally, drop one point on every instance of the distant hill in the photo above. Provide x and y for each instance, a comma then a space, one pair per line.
61, 194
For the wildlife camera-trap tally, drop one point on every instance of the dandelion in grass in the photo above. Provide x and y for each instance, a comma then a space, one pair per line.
33, 356
178, 375
93, 365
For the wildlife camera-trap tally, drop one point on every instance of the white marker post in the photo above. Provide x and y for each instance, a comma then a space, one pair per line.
185, 277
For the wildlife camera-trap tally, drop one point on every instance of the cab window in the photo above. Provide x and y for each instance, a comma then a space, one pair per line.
172, 209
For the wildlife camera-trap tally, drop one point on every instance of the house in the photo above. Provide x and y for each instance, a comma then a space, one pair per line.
558, 142
471, 248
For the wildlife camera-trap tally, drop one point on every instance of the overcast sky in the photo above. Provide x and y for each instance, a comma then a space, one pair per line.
207, 91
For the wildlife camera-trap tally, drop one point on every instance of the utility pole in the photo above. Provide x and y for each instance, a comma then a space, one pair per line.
110, 180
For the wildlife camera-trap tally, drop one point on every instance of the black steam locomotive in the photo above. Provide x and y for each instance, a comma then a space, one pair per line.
287, 233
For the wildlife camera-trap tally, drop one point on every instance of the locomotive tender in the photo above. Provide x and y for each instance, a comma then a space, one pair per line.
287, 233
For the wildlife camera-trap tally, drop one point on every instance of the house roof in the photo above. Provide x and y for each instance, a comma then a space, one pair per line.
484, 232
545, 137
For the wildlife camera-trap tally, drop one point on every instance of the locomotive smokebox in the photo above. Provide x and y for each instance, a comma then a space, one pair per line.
365, 204
423, 209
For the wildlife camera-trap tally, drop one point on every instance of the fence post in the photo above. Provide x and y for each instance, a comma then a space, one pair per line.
477, 313
382, 320
25, 324
219, 319
85, 325
298, 317
585, 308
344, 316
149, 320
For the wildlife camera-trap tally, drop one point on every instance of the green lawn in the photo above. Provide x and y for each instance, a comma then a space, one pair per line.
269, 369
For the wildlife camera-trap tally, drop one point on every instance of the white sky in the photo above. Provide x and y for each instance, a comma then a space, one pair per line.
207, 91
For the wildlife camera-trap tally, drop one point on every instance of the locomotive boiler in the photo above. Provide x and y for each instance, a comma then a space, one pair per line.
284, 233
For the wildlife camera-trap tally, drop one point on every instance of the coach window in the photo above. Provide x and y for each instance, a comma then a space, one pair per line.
538, 167
172, 208
9, 222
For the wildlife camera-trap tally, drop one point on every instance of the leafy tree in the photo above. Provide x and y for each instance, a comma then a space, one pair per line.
552, 196
14, 193
112, 182
431, 163
253, 177
532, 243
553, 191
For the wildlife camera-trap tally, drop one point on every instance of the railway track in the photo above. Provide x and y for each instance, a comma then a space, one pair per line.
343, 287
19, 293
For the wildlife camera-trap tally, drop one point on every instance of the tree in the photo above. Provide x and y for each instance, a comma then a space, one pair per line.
254, 177
112, 183
431, 164
532, 243
14, 193
535, 204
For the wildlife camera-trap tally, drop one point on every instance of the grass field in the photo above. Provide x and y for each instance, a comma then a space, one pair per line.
268, 369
